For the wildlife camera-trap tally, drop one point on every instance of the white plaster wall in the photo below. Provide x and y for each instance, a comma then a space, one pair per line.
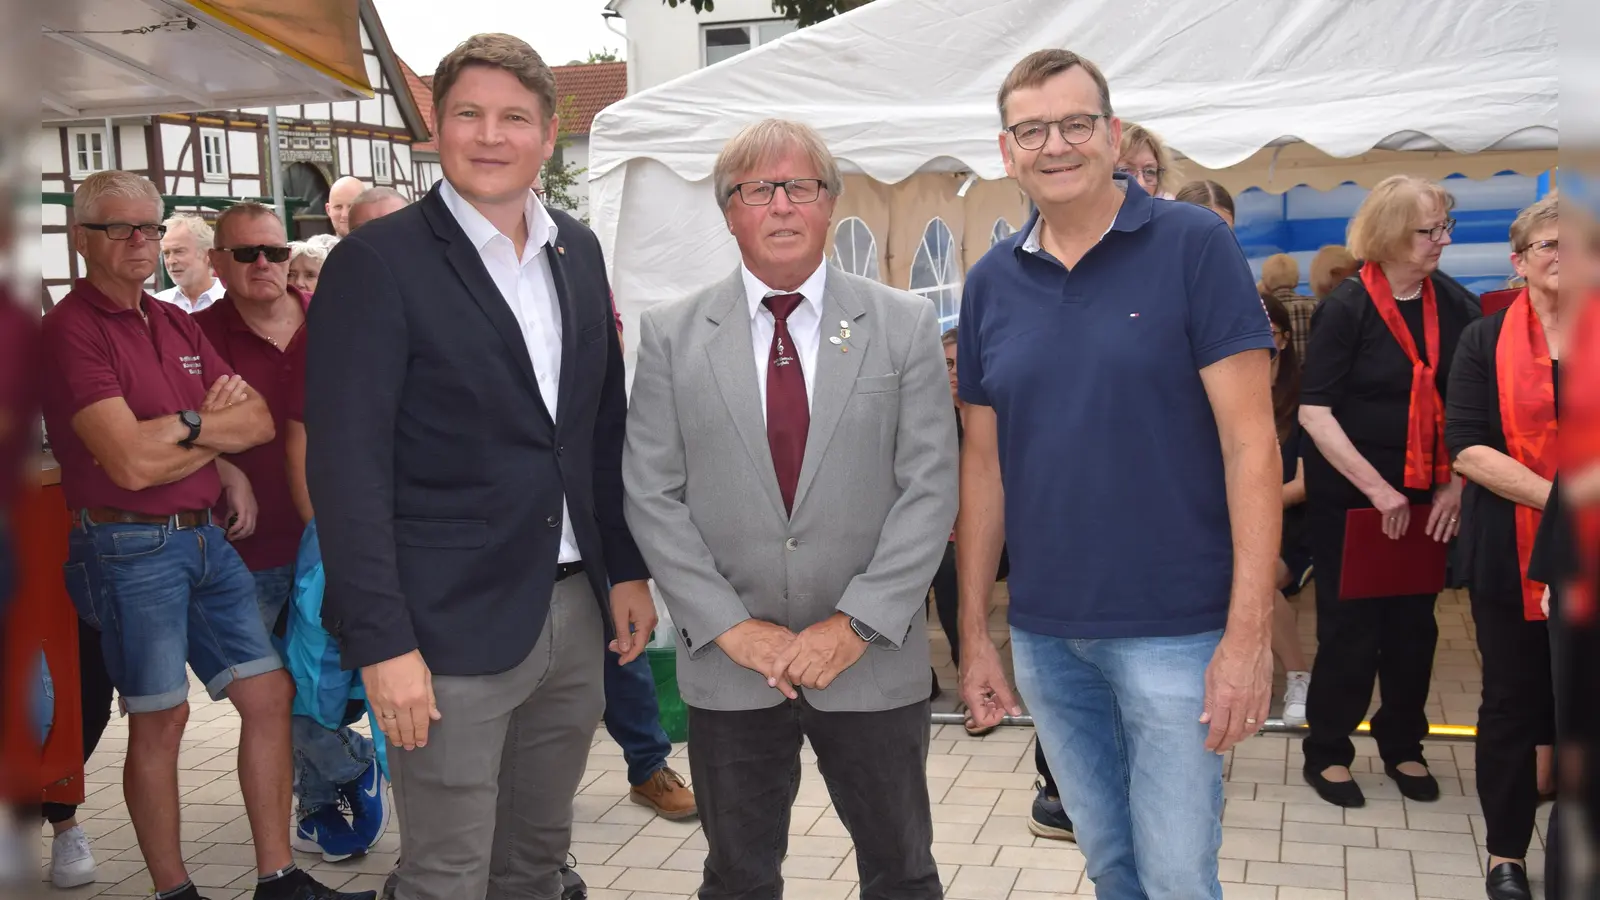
244, 153
131, 153
664, 42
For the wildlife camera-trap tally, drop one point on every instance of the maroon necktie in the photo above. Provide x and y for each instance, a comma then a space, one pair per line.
788, 413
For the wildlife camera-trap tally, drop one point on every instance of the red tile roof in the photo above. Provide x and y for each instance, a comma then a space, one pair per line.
581, 92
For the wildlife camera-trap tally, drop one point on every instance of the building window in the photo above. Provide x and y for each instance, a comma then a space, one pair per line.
855, 250
87, 149
214, 154
936, 274
1002, 230
725, 40
381, 173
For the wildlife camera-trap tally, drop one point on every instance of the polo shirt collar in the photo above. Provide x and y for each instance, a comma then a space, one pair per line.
99, 300
1131, 216
542, 229
755, 290
229, 307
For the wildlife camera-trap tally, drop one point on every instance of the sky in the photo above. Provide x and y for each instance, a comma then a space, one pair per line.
423, 31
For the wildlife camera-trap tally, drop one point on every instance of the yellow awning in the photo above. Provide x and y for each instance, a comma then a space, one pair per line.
323, 34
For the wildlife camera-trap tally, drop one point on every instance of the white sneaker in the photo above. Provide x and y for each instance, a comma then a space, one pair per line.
1294, 698
71, 860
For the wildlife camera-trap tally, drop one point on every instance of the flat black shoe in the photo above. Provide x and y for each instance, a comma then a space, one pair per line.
1340, 793
1508, 881
1421, 788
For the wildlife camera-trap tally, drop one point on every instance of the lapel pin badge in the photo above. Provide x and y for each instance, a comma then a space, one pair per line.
841, 340
560, 250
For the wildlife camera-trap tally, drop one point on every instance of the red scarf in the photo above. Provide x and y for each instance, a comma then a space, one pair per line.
1526, 386
1427, 461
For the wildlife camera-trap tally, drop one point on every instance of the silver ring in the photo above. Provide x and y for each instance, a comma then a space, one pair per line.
1250, 721
390, 716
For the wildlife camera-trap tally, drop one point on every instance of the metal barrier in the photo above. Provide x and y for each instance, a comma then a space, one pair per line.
1463, 733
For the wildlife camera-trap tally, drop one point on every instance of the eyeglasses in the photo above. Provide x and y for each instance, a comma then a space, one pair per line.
1151, 175
122, 231
247, 255
1543, 249
1437, 232
1033, 135
762, 193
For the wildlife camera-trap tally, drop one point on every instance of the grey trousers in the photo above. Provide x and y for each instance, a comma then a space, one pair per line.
486, 808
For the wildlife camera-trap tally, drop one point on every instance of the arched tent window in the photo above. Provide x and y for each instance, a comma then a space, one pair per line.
1002, 230
855, 250
936, 274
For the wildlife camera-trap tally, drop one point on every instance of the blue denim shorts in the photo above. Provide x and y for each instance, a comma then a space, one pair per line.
165, 598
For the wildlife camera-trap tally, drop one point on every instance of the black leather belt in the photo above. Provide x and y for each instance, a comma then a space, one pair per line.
567, 570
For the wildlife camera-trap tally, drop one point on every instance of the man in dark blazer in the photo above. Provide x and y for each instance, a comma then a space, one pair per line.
464, 415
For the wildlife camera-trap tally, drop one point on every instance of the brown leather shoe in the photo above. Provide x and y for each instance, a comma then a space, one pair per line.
667, 793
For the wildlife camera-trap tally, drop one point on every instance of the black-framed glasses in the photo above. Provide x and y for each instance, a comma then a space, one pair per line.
762, 193
122, 231
1437, 232
1150, 175
1543, 249
1075, 129
247, 255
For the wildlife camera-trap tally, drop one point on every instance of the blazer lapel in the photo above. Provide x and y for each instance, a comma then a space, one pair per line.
469, 268
732, 357
835, 374
555, 253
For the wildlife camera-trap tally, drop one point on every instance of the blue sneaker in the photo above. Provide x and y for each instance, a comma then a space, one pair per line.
1049, 818
325, 831
369, 807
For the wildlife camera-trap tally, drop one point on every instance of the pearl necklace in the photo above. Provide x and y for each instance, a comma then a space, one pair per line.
1411, 296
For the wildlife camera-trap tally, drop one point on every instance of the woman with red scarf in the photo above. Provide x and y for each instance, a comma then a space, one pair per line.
1502, 433
1372, 402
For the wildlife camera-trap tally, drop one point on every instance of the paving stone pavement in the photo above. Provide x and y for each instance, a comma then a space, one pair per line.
1280, 842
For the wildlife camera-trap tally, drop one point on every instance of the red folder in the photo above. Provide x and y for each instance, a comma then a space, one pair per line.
1494, 301
1375, 565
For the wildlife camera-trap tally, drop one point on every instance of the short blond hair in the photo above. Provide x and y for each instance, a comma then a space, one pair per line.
1135, 137
495, 51
1279, 271
113, 183
1382, 228
1545, 212
196, 226
765, 141
1332, 264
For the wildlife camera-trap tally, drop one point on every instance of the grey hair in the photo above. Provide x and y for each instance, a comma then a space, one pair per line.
247, 209
317, 251
196, 226
767, 140
113, 183
324, 242
376, 194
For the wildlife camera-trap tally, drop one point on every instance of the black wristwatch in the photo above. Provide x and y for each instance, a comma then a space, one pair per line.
863, 630
191, 419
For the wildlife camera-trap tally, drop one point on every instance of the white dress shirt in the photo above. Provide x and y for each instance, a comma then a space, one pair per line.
175, 296
805, 327
529, 289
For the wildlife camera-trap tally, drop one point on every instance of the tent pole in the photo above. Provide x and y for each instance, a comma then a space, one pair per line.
276, 161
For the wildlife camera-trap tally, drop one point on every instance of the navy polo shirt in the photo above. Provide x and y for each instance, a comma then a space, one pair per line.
1115, 505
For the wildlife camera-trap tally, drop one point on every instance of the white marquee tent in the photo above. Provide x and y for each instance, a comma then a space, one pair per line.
1252, 94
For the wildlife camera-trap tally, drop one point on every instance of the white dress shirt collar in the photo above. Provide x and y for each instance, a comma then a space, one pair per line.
480, 231
811, 289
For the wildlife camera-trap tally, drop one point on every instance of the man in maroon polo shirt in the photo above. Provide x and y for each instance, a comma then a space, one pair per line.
139, 406
259, 329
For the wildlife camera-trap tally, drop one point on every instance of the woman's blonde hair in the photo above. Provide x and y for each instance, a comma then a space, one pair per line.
1279, 271
1382, 228
1136, 136
1331, 265
1545, 212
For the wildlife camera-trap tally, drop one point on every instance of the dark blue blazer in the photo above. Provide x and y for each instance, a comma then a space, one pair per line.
436, 471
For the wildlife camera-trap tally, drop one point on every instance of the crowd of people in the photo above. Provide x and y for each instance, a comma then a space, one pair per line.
1155, 451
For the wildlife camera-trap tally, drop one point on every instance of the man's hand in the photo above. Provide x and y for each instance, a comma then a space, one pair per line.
242, 506
984, 688
1445, 519
633, 613
819, 653
1238, 689
400, 692
225, 392
757, 646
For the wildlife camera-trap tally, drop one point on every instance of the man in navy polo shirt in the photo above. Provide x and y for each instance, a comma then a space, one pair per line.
1113, 362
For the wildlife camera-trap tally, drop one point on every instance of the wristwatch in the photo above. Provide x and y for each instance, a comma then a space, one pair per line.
191, 419
863, 630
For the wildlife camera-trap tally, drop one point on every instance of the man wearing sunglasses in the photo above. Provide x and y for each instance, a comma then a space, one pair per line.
139, 407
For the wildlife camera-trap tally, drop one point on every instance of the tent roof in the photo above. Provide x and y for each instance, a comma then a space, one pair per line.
139, 57
898, 86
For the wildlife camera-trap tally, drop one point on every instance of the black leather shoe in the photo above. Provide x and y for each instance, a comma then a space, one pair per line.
1339, 793
1508, 881
1421, 788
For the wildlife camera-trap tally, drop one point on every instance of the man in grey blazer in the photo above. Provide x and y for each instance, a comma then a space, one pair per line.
790, 470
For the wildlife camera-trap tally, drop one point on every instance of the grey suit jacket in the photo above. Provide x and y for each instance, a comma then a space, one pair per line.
873, 507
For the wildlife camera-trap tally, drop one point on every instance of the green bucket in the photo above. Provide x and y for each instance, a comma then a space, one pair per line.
674, 714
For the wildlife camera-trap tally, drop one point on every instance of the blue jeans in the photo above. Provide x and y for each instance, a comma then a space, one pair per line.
633, 718
163, 597
323, 759
1119, 723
